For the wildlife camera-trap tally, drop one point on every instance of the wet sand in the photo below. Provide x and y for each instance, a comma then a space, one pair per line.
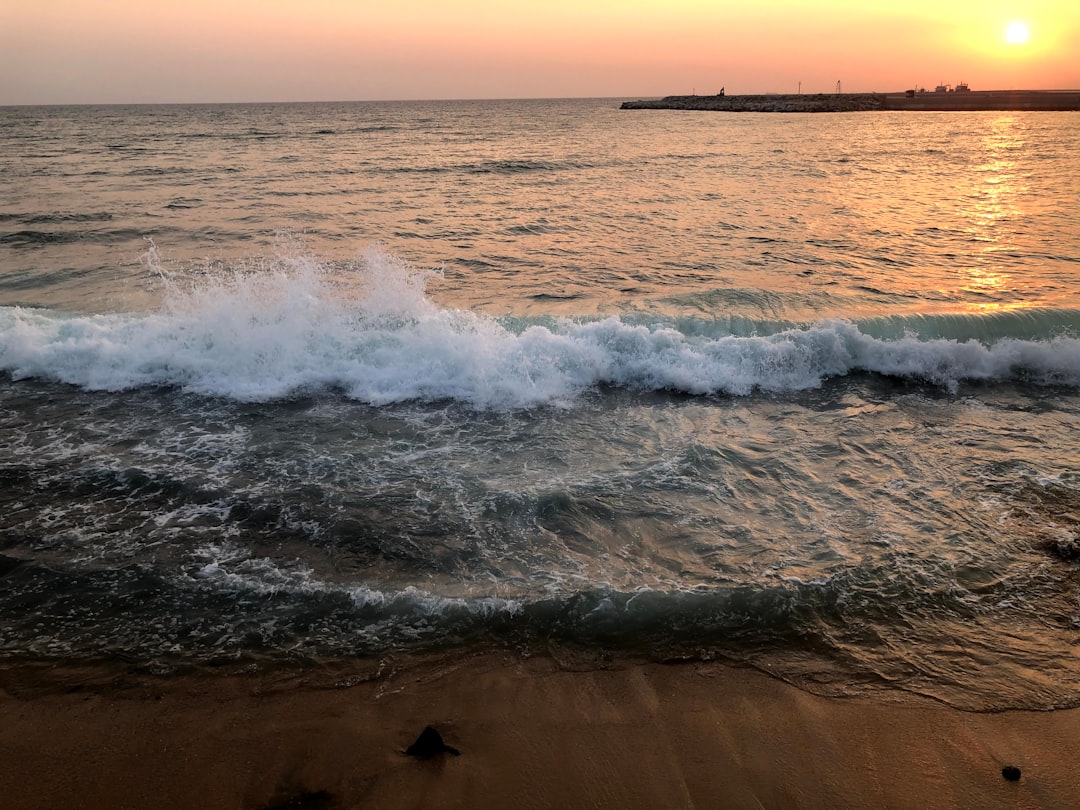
532, 734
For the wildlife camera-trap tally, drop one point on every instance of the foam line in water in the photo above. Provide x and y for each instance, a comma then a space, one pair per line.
231, 568
294, 324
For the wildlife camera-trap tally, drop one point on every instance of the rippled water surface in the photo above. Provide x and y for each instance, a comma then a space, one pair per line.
289, 382
571, 207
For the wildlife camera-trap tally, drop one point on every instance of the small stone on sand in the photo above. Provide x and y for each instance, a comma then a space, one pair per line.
430, 743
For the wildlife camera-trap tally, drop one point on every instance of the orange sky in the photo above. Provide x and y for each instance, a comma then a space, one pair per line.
74, 51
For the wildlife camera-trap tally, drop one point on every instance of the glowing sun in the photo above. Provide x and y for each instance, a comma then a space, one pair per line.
1016, 32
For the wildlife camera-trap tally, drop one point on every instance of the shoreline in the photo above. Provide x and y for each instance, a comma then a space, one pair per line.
531, 732
970, 101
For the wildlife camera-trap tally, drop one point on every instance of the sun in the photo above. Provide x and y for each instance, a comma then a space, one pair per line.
1016, 32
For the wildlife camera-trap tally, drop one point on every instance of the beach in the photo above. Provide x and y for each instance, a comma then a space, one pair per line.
532, 733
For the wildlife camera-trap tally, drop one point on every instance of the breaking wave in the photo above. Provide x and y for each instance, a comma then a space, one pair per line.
367, 329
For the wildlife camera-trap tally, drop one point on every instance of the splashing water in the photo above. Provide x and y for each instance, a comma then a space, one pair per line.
291, 324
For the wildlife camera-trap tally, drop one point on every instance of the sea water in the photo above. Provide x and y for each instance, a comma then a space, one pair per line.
294, 383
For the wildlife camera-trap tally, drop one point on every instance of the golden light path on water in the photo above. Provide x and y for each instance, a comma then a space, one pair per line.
997, 199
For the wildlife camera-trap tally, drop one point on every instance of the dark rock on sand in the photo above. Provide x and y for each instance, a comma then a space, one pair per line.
430, 743
1011, 772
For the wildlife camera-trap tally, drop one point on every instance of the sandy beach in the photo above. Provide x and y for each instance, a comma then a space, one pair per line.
531, 733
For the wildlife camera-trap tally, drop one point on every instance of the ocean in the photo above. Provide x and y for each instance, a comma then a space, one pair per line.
286, 384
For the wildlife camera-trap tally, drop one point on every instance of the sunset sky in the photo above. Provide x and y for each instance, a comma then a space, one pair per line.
114, 51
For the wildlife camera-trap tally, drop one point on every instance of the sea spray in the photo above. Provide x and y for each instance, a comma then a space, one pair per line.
293, 323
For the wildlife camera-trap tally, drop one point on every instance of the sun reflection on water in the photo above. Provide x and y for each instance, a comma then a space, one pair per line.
996, 206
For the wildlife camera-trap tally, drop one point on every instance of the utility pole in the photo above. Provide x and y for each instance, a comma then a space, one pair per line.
837, 87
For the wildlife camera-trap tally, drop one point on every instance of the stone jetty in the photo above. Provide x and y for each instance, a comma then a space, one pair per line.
822, 102
865, 102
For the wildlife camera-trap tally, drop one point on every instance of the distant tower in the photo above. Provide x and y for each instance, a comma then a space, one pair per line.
837, 87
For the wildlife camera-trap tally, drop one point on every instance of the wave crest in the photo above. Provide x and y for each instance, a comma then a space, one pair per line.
293, 324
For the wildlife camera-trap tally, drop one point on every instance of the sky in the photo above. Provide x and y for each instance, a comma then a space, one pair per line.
162, 51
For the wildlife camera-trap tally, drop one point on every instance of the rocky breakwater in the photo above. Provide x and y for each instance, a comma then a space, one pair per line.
979, 100
820, 102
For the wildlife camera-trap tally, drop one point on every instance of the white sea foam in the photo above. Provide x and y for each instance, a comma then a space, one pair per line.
229, 567
296, 325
